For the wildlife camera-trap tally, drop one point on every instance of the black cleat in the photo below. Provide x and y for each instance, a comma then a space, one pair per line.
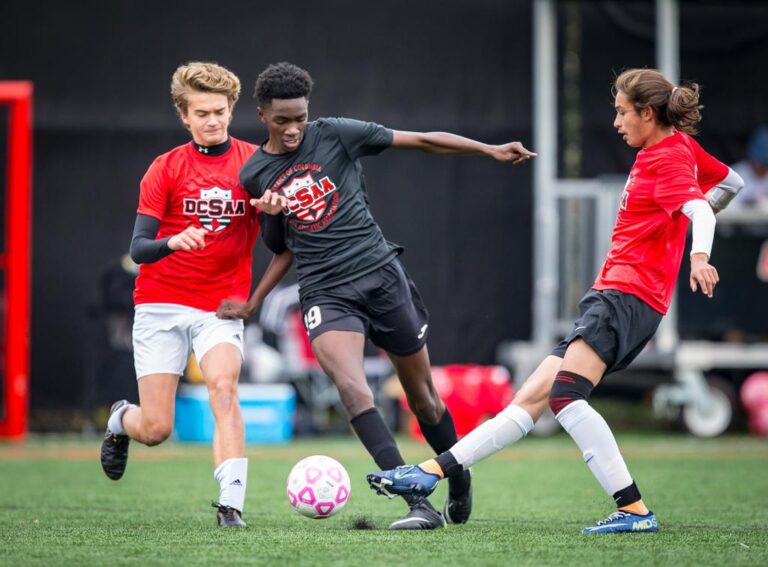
422, 516
114, 449
228, 517
458, 508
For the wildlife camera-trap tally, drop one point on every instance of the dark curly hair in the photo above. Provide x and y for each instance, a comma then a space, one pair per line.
283, 81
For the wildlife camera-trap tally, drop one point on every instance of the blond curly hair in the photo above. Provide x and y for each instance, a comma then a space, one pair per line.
203, 77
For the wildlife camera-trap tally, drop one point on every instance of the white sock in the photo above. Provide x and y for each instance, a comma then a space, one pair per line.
509, 426
115, 423
232, 476
598, 446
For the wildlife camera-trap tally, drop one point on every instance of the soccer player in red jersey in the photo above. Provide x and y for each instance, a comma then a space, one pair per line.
672, 182
193, 238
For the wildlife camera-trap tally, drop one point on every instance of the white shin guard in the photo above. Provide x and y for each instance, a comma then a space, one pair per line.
232, 476
598, 446
510, 425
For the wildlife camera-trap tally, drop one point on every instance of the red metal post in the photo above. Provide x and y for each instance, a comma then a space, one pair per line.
17, 256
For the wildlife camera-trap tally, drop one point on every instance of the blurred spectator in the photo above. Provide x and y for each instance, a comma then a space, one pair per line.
754, 171
116, 284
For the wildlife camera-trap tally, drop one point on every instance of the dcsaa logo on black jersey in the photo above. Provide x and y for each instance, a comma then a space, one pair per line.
306, 197
215, 208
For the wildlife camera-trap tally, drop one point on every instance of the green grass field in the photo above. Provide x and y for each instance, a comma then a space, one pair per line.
57, 508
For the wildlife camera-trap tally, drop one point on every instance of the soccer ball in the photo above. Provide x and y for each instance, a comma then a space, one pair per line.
318, 487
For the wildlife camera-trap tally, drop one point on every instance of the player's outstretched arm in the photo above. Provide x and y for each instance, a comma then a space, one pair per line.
275, 272
446, 143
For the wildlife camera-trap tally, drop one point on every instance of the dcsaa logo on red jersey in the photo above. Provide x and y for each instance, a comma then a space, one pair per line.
627, 187
306, 197
215, 208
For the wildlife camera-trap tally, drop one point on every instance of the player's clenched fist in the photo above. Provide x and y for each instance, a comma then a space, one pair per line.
270, 202
193, 238
233, 310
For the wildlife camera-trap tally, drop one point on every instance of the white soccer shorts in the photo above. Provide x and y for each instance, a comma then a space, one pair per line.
165, 334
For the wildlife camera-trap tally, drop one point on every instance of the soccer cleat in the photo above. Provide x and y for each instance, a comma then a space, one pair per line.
227, 516
622, 522
422, 516
458, 509
114, 449
406, 479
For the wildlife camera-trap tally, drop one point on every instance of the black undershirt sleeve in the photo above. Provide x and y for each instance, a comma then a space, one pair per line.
273, 232
144, 248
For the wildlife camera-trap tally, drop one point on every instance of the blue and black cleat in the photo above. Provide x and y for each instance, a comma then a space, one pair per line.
407, 479
624, 522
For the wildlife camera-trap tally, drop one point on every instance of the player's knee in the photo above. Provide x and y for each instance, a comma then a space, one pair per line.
156, 432
569, 387
356, 400
427, 409
222, 393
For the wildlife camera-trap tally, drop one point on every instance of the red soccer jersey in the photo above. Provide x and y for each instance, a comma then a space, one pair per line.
649, 236
185, 188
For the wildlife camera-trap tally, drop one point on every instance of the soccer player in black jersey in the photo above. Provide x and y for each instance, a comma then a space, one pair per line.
351, 283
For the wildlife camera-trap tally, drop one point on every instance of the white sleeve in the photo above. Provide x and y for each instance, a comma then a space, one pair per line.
703, 222
724, 192
732, 182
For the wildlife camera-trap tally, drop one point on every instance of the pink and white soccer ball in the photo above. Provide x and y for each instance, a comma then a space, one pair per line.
318, 487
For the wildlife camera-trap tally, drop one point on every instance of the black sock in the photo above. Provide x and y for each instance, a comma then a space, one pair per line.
378, 441
627, 496
449, 465
441, 437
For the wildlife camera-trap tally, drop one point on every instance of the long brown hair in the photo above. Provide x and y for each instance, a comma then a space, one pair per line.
676, 106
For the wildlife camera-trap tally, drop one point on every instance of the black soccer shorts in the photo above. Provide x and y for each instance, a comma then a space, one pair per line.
616, 325
384, 305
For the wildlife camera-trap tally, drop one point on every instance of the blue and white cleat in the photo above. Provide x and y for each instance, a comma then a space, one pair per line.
623, 522
407, 479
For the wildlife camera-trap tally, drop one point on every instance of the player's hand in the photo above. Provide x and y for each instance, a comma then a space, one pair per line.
513, 151
271, 202
193, 238
233, 310
703, 275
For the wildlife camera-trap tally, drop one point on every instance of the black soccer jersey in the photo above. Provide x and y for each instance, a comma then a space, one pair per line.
328, 227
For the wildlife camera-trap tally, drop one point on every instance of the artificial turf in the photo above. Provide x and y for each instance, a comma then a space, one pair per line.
530, 502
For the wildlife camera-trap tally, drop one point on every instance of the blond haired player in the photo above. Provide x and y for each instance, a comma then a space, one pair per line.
193, 238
